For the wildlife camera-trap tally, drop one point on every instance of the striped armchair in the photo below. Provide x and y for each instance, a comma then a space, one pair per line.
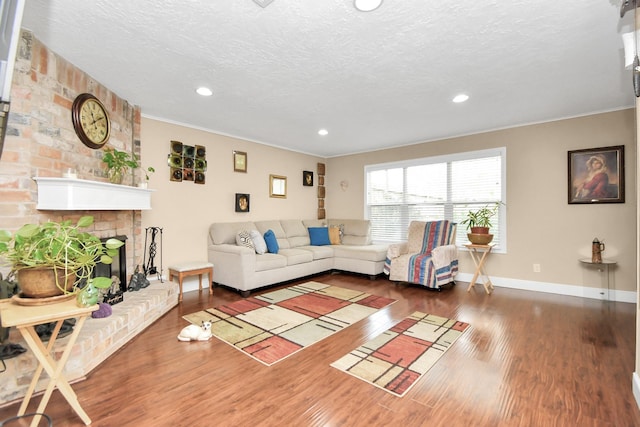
429, 256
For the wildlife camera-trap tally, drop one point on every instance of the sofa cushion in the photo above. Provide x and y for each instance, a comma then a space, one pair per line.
364, 252
270, 262
271, 242
296, 232
277, 229
296, 256
319, 252
355, 231
243, 238
225, 232
314, 223
319, 236
258, 242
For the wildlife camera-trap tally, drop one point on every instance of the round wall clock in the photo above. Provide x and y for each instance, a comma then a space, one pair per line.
90, 120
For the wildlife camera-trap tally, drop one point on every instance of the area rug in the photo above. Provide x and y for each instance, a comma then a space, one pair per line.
274, 325
396, 359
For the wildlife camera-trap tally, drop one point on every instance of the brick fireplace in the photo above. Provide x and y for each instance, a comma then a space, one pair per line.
40, 142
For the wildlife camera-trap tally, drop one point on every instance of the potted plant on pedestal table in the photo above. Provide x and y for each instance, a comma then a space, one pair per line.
57, 258
479, 222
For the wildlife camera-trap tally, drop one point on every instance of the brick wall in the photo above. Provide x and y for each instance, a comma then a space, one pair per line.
41, 141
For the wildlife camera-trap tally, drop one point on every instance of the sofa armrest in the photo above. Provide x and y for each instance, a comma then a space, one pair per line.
232, 249
233, 265
397, 249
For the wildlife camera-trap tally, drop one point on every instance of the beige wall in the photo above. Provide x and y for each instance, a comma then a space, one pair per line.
185, 210
542, 227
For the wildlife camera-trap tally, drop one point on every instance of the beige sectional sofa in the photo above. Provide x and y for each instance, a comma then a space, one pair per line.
240, 267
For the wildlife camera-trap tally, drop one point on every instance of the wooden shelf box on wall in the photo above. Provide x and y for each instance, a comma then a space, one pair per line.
322, 213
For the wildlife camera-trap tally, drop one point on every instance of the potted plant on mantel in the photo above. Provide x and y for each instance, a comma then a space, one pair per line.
479, 222
57, 258
118, 162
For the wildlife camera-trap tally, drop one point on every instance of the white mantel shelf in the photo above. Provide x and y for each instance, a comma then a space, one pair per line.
67, 194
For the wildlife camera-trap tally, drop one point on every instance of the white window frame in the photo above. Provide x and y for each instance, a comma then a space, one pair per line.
501, 242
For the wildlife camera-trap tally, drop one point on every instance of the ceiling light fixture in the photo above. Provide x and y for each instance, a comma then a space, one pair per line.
323, 132
204, 91
460, 98
367, 5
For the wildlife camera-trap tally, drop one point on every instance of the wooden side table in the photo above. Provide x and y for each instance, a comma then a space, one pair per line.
479, 254
25, 318
192, 269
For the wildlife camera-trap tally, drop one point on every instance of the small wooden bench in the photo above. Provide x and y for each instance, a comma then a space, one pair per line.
187, 269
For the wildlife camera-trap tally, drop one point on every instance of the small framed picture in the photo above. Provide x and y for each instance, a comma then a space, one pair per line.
242, 202
596, 175
307, 178
239, 161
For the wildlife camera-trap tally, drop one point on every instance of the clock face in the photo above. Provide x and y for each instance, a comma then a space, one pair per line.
90, 120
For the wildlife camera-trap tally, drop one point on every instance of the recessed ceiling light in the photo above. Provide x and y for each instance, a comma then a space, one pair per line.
367, 5
323, 132
460, 98
204, 91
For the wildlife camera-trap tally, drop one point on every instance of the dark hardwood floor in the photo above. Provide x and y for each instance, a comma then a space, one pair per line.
529, 359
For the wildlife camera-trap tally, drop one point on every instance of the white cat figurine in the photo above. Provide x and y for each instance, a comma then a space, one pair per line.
196, 333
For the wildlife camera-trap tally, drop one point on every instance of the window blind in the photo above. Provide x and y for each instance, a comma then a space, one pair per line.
428, 189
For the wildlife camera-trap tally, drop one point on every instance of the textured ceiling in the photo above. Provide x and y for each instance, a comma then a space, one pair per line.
374, 80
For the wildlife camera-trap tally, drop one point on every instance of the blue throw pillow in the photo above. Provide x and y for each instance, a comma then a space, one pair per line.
272, 243
319, 236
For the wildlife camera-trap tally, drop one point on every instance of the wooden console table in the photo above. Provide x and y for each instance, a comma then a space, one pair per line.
25, 318
478, 260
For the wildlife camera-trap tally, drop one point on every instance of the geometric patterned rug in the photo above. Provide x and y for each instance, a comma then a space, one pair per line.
397, 358
274, 325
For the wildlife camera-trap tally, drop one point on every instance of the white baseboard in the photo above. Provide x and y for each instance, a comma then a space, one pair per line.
557, 288
191, 284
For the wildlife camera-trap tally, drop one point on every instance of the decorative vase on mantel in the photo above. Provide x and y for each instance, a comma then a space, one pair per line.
115, 175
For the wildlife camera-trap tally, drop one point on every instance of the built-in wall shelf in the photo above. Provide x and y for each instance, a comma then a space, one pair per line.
68, 194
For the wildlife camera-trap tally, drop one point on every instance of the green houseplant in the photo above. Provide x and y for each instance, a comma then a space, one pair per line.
118, 162
59, 251
479, 222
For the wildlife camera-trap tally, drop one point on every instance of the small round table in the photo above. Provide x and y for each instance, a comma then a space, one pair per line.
606, 263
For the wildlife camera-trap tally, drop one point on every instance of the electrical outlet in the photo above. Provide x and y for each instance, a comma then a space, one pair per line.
536, 268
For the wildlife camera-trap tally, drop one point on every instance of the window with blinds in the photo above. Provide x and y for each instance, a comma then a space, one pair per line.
433, 188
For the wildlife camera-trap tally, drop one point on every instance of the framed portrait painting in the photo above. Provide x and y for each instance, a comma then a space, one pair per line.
596, 175
242, 202
307, 178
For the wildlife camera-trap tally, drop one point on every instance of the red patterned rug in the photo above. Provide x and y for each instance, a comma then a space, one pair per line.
274, 325
396, 359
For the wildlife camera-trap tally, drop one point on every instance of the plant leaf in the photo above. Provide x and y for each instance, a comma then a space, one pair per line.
102, 282
85, 221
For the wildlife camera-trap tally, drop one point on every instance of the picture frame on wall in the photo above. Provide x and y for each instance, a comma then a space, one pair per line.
307, 178
596, 175
239, 161
243, 202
